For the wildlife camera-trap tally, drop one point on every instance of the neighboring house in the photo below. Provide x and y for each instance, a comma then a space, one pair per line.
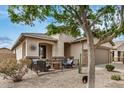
60, 45
118, 51
6, 53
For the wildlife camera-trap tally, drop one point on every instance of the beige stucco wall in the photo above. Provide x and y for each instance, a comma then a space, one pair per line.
29, 43
67, 50
95, 41
49, 51
76, 50
121, 48
102, 55
54, 49
23, 49
19, 52
115, 55
36, 42
58, 48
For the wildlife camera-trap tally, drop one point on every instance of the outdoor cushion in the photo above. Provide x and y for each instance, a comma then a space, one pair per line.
35, 61
69, 61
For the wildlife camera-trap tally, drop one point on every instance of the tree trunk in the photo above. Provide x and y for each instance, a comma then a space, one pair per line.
91, 50
80, 65
91, 60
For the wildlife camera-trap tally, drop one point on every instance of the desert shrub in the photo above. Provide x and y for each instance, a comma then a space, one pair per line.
110, 67
13, 69
116, 77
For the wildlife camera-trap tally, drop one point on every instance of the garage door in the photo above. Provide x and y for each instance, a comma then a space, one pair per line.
102, 56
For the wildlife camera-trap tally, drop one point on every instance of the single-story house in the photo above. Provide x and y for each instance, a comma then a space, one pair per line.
59, 45
118, 51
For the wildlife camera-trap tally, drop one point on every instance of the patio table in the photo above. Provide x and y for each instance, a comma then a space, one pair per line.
56, 65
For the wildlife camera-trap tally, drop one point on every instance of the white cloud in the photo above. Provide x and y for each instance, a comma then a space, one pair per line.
5, 42
120, 38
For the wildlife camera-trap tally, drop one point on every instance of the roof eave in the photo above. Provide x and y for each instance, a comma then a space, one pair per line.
41, 38
21, 36
17, 42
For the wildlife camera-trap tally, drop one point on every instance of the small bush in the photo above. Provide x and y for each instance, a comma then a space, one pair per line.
13, 69
110, 67
116, 77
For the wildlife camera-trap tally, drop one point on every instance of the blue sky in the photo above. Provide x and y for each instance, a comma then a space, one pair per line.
9, 32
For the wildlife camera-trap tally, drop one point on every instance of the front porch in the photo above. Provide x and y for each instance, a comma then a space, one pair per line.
37, 49
40, 48
52, 65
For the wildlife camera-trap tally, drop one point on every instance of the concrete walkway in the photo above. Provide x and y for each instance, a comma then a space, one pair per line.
119, 66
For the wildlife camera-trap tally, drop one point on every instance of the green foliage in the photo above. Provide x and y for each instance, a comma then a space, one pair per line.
116, 77
27, 14
11, 68
66, 18
53, 29
109, 67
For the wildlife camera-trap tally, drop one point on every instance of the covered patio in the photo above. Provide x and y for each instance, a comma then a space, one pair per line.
47, 55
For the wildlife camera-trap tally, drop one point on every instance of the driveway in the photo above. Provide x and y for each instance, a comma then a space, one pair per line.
118, 66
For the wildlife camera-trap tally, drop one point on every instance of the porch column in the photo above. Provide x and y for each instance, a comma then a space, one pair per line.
54, 50
26, 46
23, 50
115, 55
121, 56
110, 56
60, 51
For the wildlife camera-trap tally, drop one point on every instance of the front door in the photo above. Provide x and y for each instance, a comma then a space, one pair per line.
42, 51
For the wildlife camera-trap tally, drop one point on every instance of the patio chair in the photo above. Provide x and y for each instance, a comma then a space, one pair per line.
68, 63
34, 64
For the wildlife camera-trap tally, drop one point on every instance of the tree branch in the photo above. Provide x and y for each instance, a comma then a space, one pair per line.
102, 41
68, 10
99, 15
75, 14
106, 38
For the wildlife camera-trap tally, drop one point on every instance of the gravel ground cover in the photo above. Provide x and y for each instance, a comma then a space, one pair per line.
66, 79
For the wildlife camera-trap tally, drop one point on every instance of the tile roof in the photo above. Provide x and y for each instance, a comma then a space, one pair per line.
39, 35
33, 35
117, 44
79, 39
